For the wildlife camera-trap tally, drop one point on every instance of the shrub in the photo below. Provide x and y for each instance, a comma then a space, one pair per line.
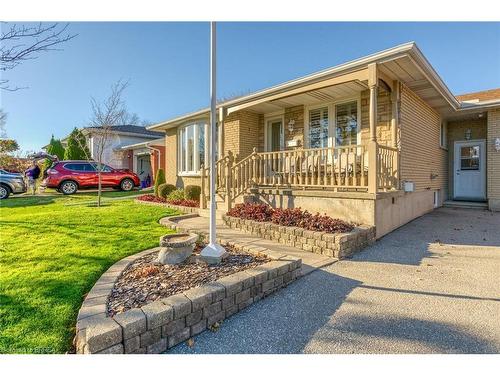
252, 211
159, 179
192, 192
176, 195
165, 189
290, 217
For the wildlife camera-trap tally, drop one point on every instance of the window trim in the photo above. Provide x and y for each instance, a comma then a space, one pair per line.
443, 135
196, 162
332, 119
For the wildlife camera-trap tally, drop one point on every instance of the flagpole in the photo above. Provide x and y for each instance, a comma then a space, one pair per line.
213, 252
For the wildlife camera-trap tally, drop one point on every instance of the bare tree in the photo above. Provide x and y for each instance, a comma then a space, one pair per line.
19, 43
105, 115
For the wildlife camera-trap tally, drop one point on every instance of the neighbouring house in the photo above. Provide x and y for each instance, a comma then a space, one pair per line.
379, 140
119, 155
146, 157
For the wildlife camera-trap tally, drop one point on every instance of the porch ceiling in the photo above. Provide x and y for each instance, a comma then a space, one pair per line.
325, 94
406, 70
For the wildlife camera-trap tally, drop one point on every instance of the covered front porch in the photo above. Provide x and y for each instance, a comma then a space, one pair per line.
335, 136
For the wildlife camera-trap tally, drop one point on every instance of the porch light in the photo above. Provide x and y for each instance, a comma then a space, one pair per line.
291, 123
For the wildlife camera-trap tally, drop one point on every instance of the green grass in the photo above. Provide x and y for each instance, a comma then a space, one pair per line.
51, 254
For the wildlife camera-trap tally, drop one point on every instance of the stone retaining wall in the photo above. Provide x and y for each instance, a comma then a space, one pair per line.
167, 322
338, 245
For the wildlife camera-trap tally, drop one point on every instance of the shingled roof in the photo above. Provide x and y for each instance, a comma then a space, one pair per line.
135, 129
480, 95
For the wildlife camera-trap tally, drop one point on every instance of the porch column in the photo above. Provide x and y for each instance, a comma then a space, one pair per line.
222, 118
372, 145
373, 85
395, 98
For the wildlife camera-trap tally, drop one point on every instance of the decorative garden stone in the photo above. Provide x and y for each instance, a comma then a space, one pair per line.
176, 248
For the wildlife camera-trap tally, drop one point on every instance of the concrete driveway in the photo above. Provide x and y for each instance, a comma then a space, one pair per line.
433, 286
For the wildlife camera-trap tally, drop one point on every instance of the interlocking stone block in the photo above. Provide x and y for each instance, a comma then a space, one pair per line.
194, 318
158, 347
212, 309
268, 285
102, 335
139, 351
259, 275
115, 349
278, 281
232, 283
218, 290
180, 303
157, 314
179, 337
231, 310
173, 327
150, 337
227, 302
198, 327
243, 296
216, 318
133, 322
132, 344
199, 298
245, 304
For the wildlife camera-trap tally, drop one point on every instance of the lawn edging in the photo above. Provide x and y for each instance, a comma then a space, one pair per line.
338, 245
164, 323
193, 210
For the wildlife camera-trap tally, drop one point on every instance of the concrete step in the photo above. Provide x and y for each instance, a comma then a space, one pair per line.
206, 213
466, 204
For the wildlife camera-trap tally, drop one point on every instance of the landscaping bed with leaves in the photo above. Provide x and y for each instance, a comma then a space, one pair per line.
290, 217
145, 280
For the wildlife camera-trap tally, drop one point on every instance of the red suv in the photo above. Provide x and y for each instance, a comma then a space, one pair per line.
70, 175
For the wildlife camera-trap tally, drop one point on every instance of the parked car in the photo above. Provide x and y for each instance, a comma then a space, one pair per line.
70, 175
11, 183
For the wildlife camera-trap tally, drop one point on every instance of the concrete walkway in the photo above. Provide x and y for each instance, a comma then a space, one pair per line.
310, 261
429, 287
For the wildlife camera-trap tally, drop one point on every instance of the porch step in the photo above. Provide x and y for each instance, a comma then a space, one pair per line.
466, 204
206, 213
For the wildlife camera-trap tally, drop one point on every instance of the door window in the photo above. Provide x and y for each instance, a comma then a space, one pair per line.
274, 135
469, 158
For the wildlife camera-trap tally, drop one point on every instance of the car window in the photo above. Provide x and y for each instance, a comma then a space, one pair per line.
104, 167
74, 166
87, 167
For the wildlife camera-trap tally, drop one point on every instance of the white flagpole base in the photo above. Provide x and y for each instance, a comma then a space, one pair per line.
213, 253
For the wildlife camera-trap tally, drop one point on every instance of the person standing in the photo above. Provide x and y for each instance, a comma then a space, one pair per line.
32, 174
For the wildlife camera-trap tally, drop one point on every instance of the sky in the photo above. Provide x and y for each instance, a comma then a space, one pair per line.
167, 65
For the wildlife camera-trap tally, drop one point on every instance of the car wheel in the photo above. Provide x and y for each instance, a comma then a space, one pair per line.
68, 187
127, 184
4, 192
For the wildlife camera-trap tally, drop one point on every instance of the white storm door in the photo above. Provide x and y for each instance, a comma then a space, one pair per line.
470, 170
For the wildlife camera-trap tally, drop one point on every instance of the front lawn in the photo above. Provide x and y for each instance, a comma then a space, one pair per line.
51, 253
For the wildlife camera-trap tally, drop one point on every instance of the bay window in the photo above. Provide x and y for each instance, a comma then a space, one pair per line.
192, 147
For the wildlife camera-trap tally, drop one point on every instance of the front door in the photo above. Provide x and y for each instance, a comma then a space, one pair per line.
275, 135
470, 170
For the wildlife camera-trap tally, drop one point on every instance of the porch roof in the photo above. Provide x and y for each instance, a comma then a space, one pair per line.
405, 63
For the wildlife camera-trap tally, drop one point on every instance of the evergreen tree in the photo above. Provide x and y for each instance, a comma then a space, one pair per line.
160, 179
56, 148
77, 146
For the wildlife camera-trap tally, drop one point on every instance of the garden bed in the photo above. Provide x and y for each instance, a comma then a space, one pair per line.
167, 321
145, 281
316, 233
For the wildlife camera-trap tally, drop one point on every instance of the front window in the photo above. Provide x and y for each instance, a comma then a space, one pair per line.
318, 127
192, 147
346, 120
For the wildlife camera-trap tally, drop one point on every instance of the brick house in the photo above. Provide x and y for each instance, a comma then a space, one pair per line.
379, 140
